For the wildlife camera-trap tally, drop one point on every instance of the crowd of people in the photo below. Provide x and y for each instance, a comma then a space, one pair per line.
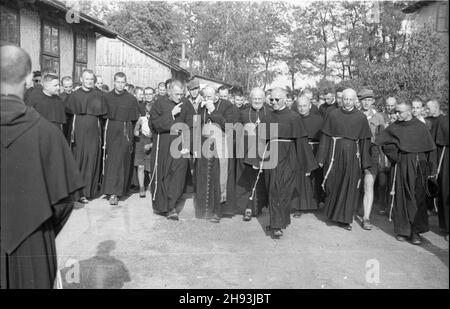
337, 151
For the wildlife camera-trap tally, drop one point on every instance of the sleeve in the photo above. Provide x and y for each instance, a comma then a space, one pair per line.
391, 152
160, 121
364, 151
324, 148
305, 155
222, 118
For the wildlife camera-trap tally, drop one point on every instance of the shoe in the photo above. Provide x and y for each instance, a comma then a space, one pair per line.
277, 233
172, 215
348, 227
248, 215
366, 224
215, 219
84, 200
142, 192
78, 205
400, 238
415, 239
297, 214
113, 200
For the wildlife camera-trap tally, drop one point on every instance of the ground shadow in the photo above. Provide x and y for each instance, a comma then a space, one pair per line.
382, 223
103, 271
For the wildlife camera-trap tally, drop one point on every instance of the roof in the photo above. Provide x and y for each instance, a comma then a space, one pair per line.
153, 56
97, 25
213, 80
416, 6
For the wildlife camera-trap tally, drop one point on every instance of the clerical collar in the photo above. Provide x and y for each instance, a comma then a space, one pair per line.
119, 93
46, 94
86, 90
348, 111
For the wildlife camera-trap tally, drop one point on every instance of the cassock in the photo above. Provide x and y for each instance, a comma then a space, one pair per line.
295, 156
245, 174
30, 90
408, 144
211, 171
38, 175
168, 174
325, 108
309, 190
344, 153
50, 107
86, 135
314, 109
123, 112
441, 139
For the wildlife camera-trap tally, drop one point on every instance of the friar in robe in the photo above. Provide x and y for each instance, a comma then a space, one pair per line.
47, 102
344, 154
441, 138
287, 145
211, 166
87, 104
168, 171
408, 145
251, 190
329, 105
310, 193
123, 113
39, 176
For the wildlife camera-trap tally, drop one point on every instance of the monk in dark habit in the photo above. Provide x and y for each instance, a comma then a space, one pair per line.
47, 101
87, 105
408, 145
440, 135
290, 154
251, 195
168, 173
344, 154
38, 174
329, 105
310, 191
123, 113
211, 166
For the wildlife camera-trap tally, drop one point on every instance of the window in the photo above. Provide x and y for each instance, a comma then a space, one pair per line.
442, 17
50, 47
9, 25
80, 55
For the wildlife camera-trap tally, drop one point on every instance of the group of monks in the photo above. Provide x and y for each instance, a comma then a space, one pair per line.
286, 153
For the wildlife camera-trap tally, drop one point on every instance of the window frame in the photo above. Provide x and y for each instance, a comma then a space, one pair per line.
50, 54
15, 11
442, 7
76, 60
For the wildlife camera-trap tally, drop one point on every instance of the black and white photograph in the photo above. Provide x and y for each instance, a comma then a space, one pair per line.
235, 146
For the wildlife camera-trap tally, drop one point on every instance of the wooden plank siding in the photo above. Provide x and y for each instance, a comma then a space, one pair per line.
114, 55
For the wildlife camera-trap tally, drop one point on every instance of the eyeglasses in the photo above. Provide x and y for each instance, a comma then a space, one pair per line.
274, 99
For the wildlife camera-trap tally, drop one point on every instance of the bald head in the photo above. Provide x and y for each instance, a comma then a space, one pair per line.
257, 98
303, 105
390, 104
349, 98
15, 65
433, 108
210, 93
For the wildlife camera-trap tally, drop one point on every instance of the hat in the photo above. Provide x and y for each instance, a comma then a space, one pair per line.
193, 84
365, 93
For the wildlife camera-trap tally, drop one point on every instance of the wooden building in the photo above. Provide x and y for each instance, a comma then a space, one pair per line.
55, 36
142, 67
207, 81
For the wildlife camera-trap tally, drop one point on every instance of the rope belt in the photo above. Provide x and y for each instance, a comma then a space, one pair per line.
72, 133
331, 162
104, 146
440, 161
392, 193
155, 170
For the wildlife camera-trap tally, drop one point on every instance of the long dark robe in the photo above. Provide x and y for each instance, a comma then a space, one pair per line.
38, 175
408, 145
350, 158
441, 138
295, 156
310, 192
87, 107
207, 170
246, 174
123, 112
169, 173
50, 107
